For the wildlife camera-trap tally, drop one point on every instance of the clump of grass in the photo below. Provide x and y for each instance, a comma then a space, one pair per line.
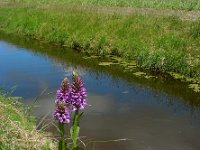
195, 30
17, 131
155, 42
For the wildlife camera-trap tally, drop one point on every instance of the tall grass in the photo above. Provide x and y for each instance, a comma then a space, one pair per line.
155, 42
16, 131
171, 4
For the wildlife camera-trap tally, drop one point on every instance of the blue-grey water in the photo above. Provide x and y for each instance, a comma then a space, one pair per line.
156, 114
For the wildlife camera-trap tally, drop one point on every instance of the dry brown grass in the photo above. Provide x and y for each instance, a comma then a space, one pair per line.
17, 132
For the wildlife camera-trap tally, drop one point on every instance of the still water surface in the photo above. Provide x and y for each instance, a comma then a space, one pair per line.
156, 114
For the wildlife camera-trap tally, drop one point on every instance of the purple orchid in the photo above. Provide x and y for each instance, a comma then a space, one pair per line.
62, 111
78, 93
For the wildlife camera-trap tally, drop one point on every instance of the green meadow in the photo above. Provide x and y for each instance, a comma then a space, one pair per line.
170, 4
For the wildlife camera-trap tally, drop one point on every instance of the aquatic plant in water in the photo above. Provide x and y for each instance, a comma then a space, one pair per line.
70, 98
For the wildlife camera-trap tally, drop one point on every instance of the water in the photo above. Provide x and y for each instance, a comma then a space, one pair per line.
156, 114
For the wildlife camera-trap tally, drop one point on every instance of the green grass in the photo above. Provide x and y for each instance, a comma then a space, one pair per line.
155, 42
170, 4
17, 131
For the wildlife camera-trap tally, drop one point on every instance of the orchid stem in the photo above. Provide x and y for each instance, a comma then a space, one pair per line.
75, 127
62, 144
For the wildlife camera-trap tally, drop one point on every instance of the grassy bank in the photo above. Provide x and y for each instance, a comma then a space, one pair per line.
166, 44
18, 132
170, 4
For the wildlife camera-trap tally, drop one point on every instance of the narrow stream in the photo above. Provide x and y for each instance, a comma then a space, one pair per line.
154, 114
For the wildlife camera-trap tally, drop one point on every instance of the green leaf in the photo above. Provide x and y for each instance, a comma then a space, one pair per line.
74, 131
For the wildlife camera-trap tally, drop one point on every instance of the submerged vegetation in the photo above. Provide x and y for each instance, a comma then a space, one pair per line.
18, 131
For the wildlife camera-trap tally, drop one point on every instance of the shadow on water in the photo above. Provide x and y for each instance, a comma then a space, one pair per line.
156, 114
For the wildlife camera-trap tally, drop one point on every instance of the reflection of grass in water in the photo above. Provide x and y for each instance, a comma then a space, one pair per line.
173, 4
195, 87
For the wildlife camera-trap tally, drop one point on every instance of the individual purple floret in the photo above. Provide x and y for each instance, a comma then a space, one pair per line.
78, 93
62, 111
